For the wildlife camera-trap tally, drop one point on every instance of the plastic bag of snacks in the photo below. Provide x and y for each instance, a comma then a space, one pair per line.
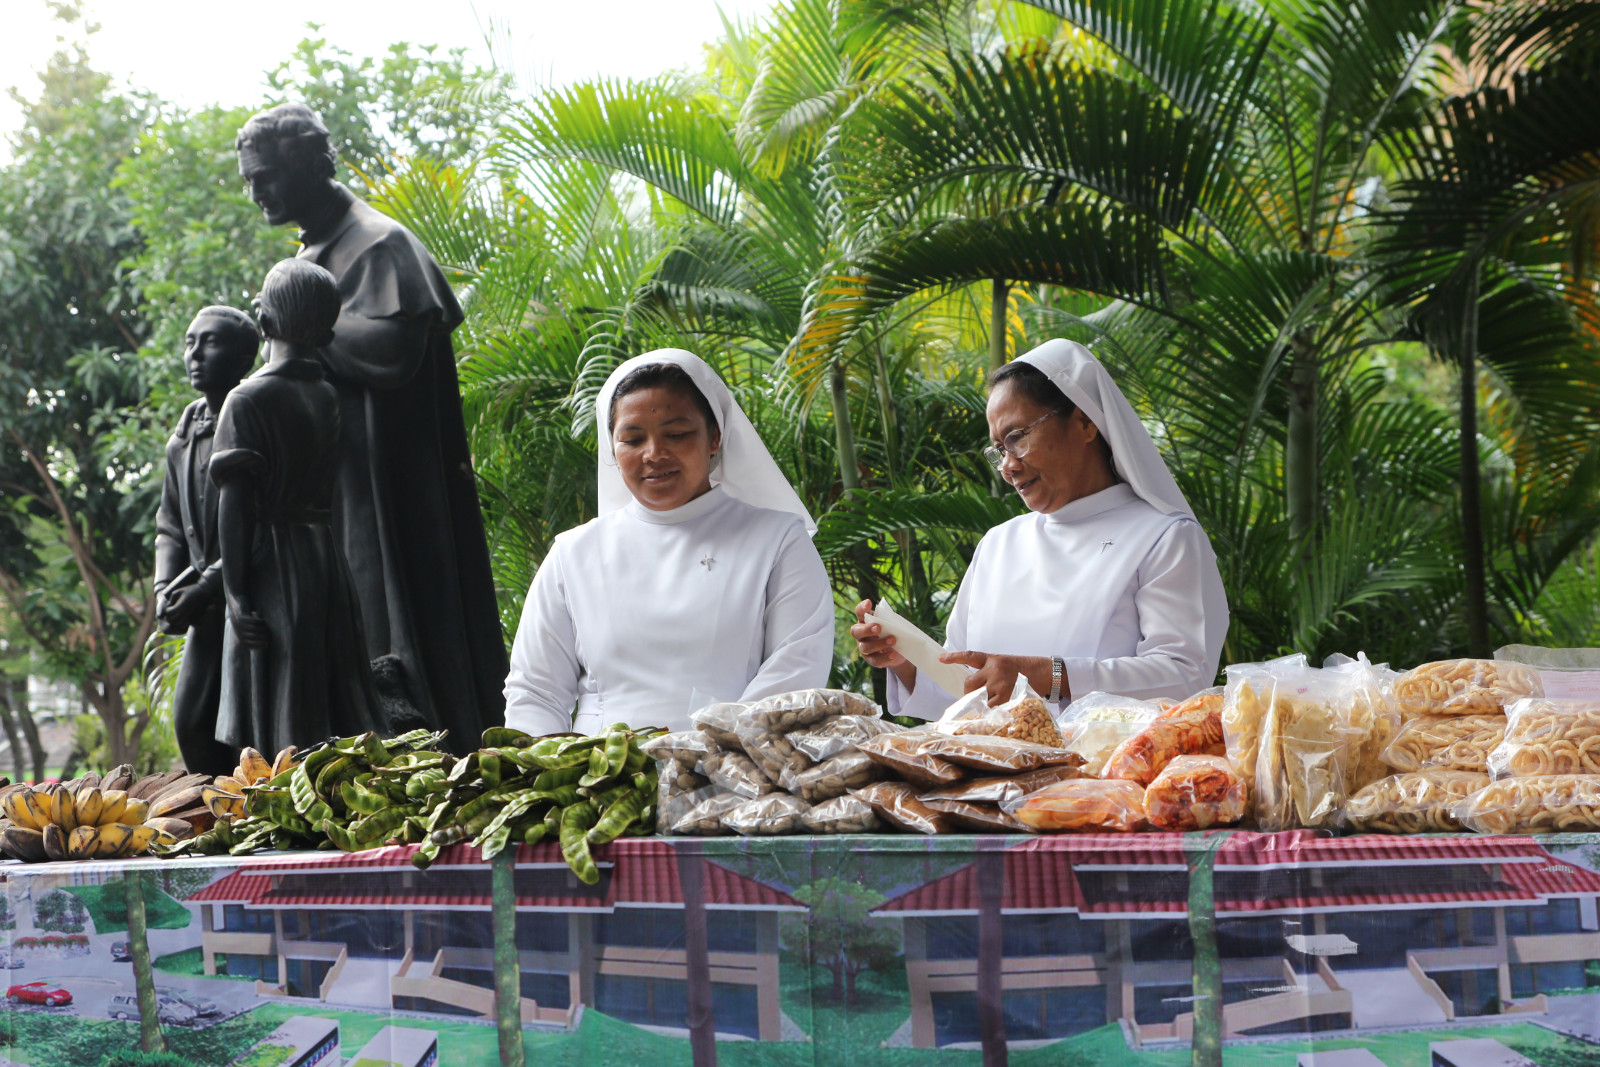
1548, 737
1025, 717
841, 815
1449, 742
978, 818
677, 757
1192, 728
1464, 687
1374, 716
1082, 804
902, 754
705, 818
720, 723
1546, 804
775, 813
832, 777
1096, 723
1420, 802
1195, 793
734, 771
838, 736
792, 711
999, 790
998, 755
896, 803
672, 804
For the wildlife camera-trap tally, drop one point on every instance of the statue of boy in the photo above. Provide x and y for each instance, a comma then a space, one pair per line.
406, 509
219, 348
290, 598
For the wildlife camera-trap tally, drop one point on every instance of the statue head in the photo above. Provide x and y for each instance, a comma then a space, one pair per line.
299, 304
219, 348
286, 161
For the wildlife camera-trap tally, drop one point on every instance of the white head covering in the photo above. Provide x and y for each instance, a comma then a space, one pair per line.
744, 467
1073, 369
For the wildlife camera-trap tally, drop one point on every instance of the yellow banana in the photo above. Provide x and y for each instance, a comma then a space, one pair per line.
254, 764
135, 811
81, 842
113, 801
27, 809
229, 784
139, 840
55, 842
284, 760
66, 813
176, 829
88, 803
222, 803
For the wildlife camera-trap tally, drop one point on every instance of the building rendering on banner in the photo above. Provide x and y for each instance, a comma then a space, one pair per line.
368, 929
1316, 933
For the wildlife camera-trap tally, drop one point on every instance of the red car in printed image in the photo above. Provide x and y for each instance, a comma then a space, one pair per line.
38, 993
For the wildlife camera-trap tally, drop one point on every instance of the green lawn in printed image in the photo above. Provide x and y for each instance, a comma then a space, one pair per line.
108, 908
459, 1042
1409, 1048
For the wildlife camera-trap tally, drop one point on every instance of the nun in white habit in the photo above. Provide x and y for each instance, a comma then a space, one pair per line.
1108, 583
697, 582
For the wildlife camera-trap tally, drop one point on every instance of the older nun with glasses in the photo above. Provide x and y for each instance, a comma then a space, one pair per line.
1108, 583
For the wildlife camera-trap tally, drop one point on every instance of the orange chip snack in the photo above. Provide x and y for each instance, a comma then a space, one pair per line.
1193, 728
1083, 804
1195, 793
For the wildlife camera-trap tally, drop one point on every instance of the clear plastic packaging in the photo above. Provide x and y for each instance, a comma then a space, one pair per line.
1096, 723
1548, 737
838, 736
1448, 742
896, 803
1464, 687
773, 752
734, 771
992, 754
674, 776
903, 755
719, 722
1025, 717
1374, 716
792, 711
768, 816
674, 802
685, 745
1001, 789
979, 818
841, 815
1549, 803
1082, 804
1192, 728
1419, 802
832, 777
1195, 793
704, 819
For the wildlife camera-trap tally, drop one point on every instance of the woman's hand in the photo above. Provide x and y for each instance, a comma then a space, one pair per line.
878, 650
998, 674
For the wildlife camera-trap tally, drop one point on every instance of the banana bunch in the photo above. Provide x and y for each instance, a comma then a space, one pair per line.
225, 797
95, 818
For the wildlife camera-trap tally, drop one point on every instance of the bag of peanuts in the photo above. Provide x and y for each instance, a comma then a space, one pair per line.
841, 815
677, 757
775, 813
719, 722
832, 777
765, 727
835, 737
731, 769
1025, 717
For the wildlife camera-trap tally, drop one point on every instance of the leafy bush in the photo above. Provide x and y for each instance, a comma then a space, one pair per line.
146, 1059
61, 911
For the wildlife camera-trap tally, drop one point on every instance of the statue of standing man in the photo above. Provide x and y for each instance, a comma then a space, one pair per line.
406, 507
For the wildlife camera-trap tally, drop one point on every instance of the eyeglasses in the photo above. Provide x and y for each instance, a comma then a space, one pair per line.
1014, 444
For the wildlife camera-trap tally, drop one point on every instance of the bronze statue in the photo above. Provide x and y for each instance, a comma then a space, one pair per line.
406, 508
219, 348
290, 598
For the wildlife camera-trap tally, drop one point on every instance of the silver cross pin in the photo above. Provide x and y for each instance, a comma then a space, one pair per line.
1107, 543
708, 561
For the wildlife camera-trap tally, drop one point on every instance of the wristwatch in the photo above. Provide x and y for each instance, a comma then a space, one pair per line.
1057, 669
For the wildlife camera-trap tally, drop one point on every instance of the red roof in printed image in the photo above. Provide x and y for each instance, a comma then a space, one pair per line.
1294, 848
1035, 882
1553, 879
231, 889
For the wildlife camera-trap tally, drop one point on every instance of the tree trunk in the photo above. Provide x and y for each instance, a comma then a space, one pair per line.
1201, 851
850, 986
13, 736
1472, 550
697, 953
998, 298
838, 983
991, 876
30, 730
507, 967
150, 1040
1300, 460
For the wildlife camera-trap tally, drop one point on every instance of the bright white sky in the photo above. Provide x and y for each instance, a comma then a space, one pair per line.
215, 51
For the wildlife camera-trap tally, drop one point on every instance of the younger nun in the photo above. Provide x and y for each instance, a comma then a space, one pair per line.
698, 581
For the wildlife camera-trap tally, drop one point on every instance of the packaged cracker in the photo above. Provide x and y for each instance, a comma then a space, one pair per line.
1002, 788
719, 722
1082, 804
1447, 742
992, 754
832, 777
1192, 728
734, 771
896, 803
1096, 723
838, 736
1419, 802
1025, 717
705, 818
773, 814
1464, 687
979, 818
1374, 716
903, 755
841, 815
1548, 737
1549, 803
1195, 793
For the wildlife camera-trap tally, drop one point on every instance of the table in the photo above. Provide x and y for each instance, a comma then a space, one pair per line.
1305, 949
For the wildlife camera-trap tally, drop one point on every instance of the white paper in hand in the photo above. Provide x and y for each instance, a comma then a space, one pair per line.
921, 650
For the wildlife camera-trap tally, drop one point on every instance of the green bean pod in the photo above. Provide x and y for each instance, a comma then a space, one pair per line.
575, 824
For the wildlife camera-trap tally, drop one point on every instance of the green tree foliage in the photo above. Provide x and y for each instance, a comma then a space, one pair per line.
839, 933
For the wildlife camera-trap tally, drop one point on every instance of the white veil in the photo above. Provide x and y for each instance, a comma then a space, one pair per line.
744, 467
1073, 369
